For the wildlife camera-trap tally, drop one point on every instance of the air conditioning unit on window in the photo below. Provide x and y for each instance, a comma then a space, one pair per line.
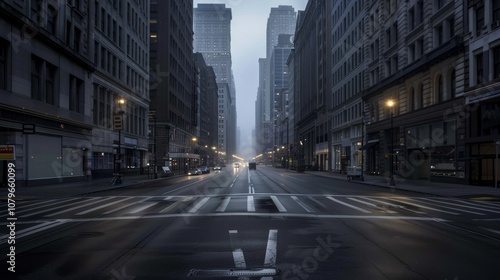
495, 24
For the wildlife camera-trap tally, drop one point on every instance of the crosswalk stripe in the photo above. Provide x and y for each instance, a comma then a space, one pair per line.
28, 204
103, 206
79, 206
144, 207
448, 207
348, 205
482, 205
199, 205
176, 204
278, 204
423, 206
125, 206
301, 203
318, 202
250, 204
59, 207
46, 205
224, 204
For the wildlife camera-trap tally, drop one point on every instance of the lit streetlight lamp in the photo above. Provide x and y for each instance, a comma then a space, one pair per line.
391, 105
118, 125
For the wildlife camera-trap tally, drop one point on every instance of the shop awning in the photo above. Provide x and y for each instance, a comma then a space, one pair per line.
369, 145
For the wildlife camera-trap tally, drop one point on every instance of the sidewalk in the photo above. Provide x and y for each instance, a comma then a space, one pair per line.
421, 186
75, 188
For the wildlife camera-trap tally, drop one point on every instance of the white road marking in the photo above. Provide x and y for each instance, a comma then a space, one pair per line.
371, 205
59, 207
239, 258
271, 249
278, 215
348, 205
125, 206
278, 204
42, 206
32, 230
79, 206
460, 205
103, 206
144, 207
394, 205
224, 204
423, 206
198, 205
318, 202
301, 203
250, 204
448, 207
176, 204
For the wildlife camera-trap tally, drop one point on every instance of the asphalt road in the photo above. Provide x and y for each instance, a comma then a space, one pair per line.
259, 224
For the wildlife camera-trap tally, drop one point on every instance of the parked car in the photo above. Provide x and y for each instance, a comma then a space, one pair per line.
217, 167
204, 169
195, 171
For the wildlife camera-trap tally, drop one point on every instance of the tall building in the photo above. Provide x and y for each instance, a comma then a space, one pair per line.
416, 73
207, 93
347, 72
282, 20
212, 38
120, 85
173, 98
46, 67
67, 68
311, 82
279, 79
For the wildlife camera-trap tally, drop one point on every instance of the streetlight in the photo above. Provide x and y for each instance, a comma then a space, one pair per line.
391, 104
497, 144
152, 114
118, 125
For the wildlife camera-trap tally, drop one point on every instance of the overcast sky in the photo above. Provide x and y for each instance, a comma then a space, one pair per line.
248, 44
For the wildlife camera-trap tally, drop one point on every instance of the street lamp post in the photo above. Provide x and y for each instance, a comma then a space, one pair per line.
362, 178
497, 144
118, 125
152, 114
391, 104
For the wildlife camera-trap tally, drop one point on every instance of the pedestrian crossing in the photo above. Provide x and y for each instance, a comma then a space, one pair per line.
253, 203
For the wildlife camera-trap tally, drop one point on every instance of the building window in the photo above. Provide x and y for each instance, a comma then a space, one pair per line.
52, 19
479, 69
411, 98
479, 17
441, 3
440, 89
36, 79
76, 94
453, 83
3, 64
496, 62
419, 98
496, 12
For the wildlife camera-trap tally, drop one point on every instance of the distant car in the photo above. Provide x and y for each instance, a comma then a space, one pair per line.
217, 167
204, 169
236, 165
252, 165
195, 171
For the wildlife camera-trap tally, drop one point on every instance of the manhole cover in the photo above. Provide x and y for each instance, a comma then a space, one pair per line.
234, 272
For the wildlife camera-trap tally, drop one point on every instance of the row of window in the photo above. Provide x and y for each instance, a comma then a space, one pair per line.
105, 106
44, 85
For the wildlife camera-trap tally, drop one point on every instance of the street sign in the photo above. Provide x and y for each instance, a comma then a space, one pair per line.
7, 152
118, 122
